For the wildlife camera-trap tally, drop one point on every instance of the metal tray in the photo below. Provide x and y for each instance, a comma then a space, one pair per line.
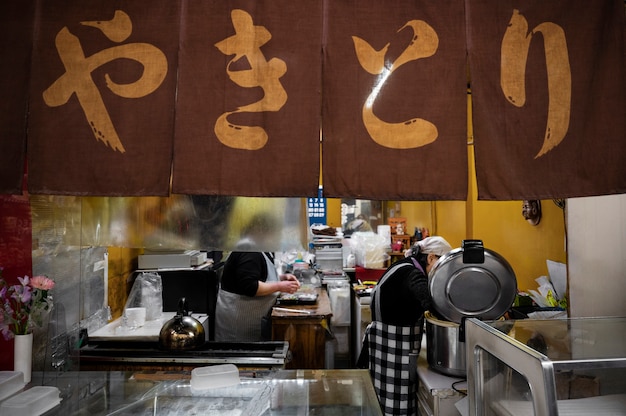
297, 299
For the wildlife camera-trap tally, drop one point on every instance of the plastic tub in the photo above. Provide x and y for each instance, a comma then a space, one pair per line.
32, 402
215, 376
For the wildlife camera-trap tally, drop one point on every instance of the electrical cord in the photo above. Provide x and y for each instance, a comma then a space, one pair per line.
463, 392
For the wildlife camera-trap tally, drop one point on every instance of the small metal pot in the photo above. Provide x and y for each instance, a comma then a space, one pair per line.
182, 332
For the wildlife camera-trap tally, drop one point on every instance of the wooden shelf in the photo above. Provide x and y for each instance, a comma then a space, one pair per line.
405, 239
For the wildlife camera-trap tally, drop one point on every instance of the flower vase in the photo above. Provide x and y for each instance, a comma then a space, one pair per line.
23, 355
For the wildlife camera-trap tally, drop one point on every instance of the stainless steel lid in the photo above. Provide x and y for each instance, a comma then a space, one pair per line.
470, 282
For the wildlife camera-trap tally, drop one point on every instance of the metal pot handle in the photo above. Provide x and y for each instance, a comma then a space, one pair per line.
183, 309
473, 251
462, 329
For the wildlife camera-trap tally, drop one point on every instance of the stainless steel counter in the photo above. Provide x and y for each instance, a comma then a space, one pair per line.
437, 393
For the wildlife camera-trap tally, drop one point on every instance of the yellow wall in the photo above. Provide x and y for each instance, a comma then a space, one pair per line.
503, 229
451, 221
417, 214
333, 212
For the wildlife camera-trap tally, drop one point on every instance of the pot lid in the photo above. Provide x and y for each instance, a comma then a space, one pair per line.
472, 282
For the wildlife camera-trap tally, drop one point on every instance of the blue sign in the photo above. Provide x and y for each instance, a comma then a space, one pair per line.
316, 209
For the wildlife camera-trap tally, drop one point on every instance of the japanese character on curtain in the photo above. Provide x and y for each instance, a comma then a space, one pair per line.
247, 115
395, 100
102, 92
548, 88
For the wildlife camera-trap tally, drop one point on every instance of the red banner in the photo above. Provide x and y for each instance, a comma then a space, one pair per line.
248, 116
548, 88
395, 100
15, 253
16, 40
102, 114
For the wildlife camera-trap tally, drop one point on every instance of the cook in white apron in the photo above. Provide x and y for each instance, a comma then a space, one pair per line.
239, 317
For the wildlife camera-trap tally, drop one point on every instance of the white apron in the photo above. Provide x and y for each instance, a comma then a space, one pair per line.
239, 317
393, 352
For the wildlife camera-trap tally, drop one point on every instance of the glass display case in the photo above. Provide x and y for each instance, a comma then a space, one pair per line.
550, 367
276, 392
320, 393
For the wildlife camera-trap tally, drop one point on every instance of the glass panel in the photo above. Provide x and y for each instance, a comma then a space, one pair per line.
178, 222
574, 366
71, 236
322, 395
570, 340
361, 215
506, 392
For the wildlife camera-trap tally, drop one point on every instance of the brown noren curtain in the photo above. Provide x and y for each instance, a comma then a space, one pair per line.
102, 92
395, 100
548, 90
248, 104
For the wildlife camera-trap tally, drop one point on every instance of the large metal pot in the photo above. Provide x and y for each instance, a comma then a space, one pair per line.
182, 332
467, 282
445, 346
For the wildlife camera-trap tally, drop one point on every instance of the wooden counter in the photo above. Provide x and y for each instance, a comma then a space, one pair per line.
306, 331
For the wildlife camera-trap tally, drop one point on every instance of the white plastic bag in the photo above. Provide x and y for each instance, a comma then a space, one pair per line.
370, 249
147, 292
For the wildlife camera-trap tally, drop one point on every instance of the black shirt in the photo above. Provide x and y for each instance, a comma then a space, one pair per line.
243, 271
404, 297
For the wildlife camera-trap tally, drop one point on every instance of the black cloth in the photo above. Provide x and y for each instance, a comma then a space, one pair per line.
404, 297
243, 271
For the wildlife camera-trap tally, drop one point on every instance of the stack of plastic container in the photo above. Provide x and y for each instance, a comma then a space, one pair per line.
31, 402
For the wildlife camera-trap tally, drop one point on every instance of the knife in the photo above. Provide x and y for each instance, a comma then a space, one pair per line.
292, 310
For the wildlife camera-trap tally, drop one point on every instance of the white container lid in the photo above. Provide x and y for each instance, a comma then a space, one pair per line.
214, 376
10, 383
32, 402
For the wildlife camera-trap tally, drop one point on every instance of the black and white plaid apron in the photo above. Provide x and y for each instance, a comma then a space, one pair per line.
393, 354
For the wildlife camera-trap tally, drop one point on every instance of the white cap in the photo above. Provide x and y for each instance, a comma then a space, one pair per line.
435, 245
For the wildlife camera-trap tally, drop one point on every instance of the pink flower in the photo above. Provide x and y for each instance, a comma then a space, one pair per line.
23, 306
42, 282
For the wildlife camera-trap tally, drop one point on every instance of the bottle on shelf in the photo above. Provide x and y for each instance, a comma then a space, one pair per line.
418, 234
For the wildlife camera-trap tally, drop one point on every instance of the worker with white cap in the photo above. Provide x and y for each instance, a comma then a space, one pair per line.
393, 339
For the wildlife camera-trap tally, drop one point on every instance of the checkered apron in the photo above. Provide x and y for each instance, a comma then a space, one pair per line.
393, 354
